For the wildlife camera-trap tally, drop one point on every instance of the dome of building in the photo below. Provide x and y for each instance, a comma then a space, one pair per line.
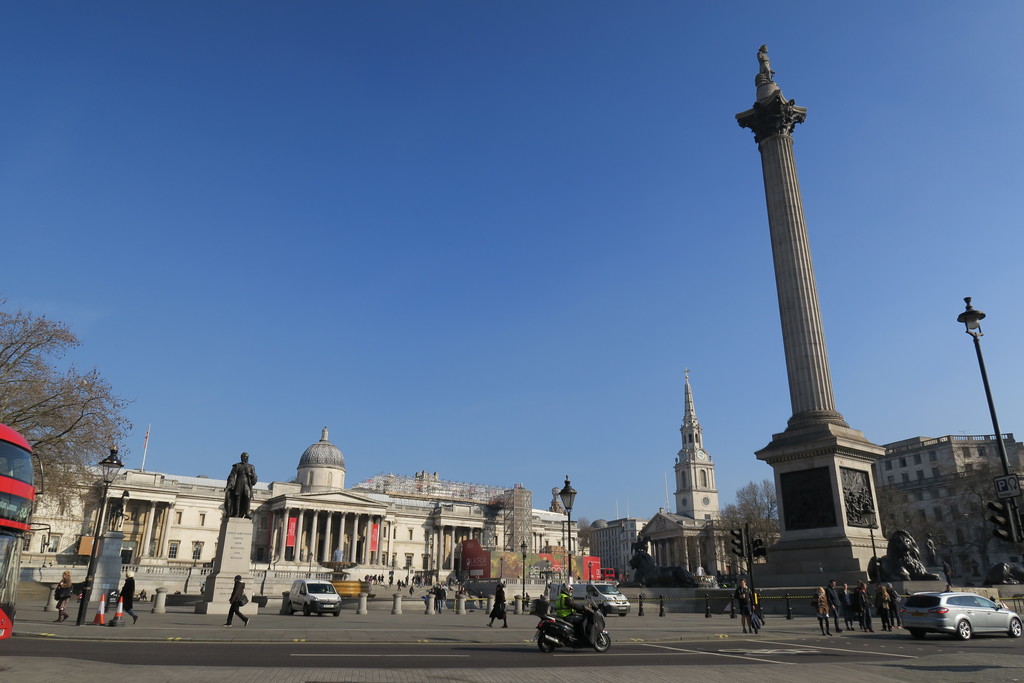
599, 524
322, 454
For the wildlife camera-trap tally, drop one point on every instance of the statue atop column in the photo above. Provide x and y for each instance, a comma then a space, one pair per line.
765, 73
238, 492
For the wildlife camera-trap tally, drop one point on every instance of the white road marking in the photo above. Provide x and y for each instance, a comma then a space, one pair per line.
719, 654
843, 649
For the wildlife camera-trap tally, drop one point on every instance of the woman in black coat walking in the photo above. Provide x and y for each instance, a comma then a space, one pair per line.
128, 596
499, 610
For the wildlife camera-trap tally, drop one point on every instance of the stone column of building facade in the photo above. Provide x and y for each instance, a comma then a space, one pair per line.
822, 466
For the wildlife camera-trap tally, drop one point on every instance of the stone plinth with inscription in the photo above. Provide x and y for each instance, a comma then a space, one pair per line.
234, 546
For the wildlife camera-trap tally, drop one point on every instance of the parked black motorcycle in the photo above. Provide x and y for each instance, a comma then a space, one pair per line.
553, 632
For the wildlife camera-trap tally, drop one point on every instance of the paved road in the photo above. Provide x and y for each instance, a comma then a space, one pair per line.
180, 647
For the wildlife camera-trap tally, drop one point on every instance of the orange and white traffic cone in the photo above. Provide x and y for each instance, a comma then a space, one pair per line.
101, 611
118, 619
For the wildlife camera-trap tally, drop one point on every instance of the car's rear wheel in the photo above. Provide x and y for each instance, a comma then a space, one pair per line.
917, 633
306, 610
964, 630
1015, 628
291, 610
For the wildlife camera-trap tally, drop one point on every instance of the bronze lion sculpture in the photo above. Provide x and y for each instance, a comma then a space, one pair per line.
1003, 573
902, 561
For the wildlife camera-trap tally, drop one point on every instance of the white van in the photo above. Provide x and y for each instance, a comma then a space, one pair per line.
313, 597
606, 595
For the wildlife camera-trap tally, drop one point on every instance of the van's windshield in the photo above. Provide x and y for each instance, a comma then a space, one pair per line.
320, 588
609, 590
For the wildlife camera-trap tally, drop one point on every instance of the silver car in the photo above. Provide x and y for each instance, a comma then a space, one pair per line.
959, 614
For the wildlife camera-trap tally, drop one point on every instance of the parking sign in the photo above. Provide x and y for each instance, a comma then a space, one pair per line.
1007, 486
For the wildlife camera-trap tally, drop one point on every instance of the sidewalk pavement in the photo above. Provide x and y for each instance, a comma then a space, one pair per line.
378, 625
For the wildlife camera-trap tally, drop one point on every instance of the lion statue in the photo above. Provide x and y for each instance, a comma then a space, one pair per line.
1003, 573
902, 561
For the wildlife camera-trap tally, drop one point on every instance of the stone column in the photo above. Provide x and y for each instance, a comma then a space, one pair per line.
314, 536
822, 466
162, 550
353, 537
327, 549
147, 532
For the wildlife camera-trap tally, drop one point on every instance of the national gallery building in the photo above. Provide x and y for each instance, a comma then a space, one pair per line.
409, 525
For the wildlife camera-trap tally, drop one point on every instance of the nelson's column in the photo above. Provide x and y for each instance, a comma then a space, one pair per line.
822, 467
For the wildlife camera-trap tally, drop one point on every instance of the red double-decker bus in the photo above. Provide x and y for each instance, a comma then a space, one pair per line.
17, 497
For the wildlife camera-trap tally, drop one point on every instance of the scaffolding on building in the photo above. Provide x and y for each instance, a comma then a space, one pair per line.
518, 508
428, 486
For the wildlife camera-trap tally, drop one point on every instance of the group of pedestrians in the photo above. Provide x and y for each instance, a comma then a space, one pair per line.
66, 589
857, 604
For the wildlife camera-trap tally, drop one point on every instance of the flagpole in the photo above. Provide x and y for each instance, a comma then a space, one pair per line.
145, 447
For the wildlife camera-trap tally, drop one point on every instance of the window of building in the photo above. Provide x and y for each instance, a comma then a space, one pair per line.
920, 475
981, 452
197, 550
408, 560
935, 471
53, 543
172, 548
892, 479
26, 545
918, 495
903, 462
922, 515
906, 477
931, 456
177, 517
410, 534
202, 519
888, 465
917, 458
938, 514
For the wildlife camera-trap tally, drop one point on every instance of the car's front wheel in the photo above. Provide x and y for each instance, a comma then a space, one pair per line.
964, 630
1015, 628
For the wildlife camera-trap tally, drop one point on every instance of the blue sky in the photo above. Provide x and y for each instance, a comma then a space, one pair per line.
485, 238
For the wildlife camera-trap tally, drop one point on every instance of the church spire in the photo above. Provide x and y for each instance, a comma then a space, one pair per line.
690, 430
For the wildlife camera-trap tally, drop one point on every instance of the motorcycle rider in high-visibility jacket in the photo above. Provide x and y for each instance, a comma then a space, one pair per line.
564, 606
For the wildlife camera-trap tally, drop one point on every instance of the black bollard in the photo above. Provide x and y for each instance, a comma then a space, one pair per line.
789, 608
661, 610
640, 613
732, 608
707, 606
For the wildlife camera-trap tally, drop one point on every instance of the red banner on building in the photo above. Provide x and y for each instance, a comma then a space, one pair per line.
374, 531
292, 521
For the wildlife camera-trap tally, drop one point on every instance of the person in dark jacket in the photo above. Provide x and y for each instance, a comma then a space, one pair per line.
237, 593
500, 610
128, 596
835, 602
863, 603
744, 605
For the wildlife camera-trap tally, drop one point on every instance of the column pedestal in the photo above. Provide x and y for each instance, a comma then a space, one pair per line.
234, 547
824, 485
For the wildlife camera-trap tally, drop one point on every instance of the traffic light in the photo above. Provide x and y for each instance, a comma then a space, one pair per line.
757, 548
1001, 517
739, 542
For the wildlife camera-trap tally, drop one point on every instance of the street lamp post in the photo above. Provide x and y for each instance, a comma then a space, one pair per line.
971, 318
110, 466
872, 519
568, 496
522, 546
